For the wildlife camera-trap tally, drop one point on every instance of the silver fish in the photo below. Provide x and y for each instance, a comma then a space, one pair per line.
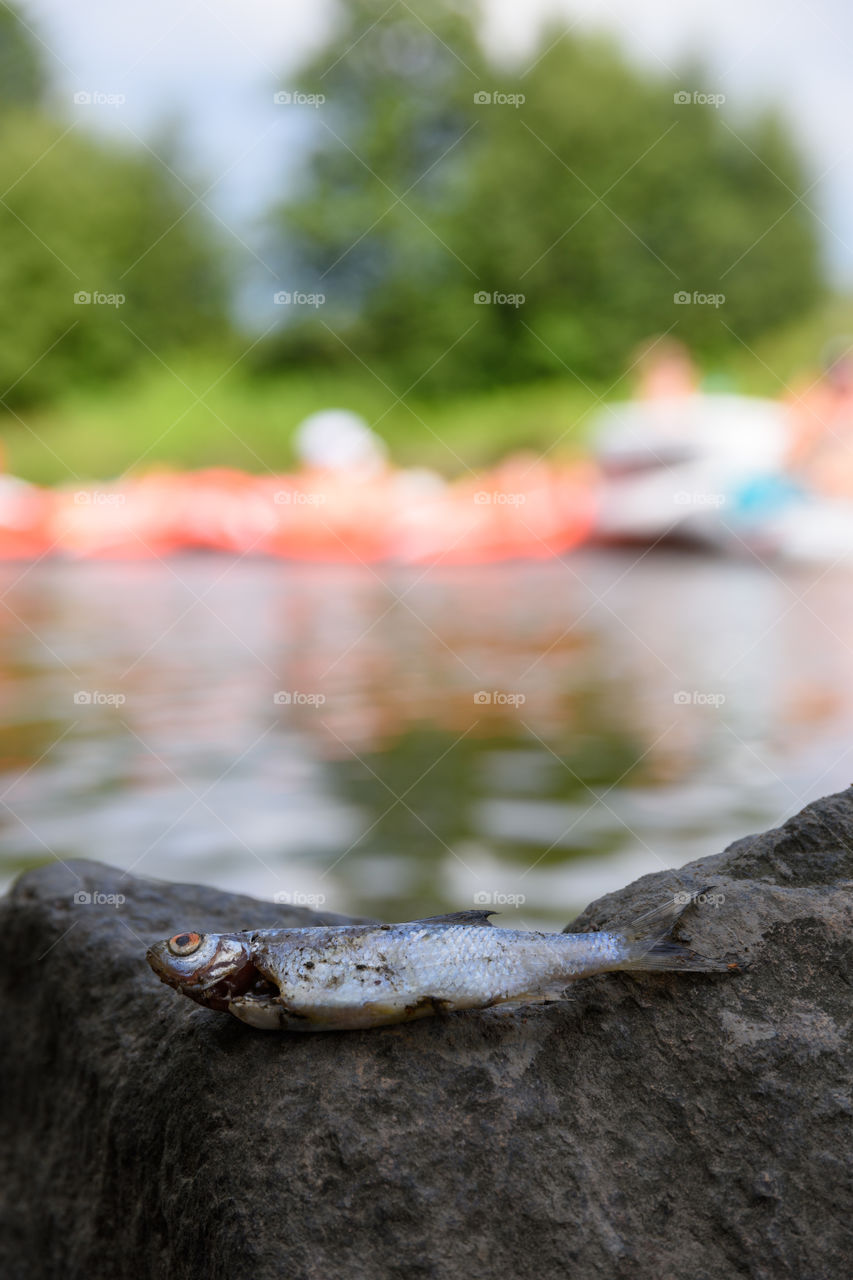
340, 977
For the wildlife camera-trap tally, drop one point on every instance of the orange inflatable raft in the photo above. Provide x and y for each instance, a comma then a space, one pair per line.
523, 509
25, 520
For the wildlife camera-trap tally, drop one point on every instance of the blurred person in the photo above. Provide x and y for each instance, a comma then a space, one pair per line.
341, 443
665, 370
659, 424
682, 462
821, 417
815, 520
339, 440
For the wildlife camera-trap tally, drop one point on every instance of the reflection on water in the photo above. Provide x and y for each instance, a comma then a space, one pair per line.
400, 743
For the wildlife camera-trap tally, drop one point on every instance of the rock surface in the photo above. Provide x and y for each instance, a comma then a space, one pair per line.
648, 1126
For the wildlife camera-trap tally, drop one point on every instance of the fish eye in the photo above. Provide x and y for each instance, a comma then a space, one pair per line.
184, 944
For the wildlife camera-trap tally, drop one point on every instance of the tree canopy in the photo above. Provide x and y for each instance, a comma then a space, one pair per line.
589, 197
83, 220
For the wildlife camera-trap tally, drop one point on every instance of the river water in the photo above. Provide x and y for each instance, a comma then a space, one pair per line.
401, 742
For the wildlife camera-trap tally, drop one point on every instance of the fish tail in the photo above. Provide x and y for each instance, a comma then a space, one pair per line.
672, 955
649, 946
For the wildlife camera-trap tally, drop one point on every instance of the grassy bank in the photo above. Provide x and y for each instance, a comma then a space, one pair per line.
192, 416
249, 423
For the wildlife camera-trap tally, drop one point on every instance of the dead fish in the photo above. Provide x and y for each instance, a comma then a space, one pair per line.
340, 977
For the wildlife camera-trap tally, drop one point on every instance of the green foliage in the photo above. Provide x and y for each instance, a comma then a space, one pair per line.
80, 216
22, 78
599, 198
249, 422
190, 416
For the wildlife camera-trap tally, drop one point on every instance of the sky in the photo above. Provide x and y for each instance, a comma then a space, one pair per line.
214, 65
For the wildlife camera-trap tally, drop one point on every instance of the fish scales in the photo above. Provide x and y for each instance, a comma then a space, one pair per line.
463, 966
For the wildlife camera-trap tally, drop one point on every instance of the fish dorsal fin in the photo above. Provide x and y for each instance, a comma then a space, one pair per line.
460, 917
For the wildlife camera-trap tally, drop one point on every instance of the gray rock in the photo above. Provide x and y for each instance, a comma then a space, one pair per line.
647, 1126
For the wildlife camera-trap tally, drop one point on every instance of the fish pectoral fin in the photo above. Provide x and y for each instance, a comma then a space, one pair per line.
556, 993
459, 917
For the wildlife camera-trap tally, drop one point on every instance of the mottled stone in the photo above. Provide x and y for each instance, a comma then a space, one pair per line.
648, 1126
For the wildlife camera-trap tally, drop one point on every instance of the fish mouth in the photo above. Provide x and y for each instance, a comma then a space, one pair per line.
245, 981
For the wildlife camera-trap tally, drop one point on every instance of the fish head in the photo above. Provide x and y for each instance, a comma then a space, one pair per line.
210, 968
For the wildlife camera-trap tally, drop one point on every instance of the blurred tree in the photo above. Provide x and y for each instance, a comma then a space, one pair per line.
386, 182
600, 197
82, 219
22, 79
